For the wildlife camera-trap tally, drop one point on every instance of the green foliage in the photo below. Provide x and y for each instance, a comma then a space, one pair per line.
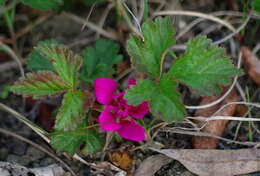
2, 2
72, 111
71, 141
5, 91
163, 98
44, 4
148, 55
40, 84
99, 61
202, 67
65, 63
36, 61
256, 5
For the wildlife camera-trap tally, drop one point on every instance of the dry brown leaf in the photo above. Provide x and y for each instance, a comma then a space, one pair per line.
253, 64
216, 162
151, 165
121, 159
216, 127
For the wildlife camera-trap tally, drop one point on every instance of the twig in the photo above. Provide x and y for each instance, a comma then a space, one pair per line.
14, 56
9, 65
218, 13
30, 26
38, 130
234, 32
239, 102
91, 26
9, 133
197, 14
207, 119
204, 134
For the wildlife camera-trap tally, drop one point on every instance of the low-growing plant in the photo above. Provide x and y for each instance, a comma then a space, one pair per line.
58, 71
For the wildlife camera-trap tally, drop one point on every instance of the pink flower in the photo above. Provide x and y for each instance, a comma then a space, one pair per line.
118, 115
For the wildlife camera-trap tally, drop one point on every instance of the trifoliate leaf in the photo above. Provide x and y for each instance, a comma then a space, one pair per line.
38, 62
163, 98
202, 67
72, 111
43, 4
65, 63
40, 84
147, 56
71, 141
99, 61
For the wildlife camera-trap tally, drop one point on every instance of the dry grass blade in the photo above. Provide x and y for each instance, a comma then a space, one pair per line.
197, 14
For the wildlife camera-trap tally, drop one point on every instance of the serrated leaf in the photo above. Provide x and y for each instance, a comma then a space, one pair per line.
40, 84
202, 67
148, 55
163, 98
256, 5
43, 4
72, 111
99, 61
65, 63
71, 141
36, 61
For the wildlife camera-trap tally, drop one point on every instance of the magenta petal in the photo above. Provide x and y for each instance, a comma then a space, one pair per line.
107, 120
139, 111
131, 82
104, 90
131, 130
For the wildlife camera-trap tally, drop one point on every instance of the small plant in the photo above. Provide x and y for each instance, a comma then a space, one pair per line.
58, 71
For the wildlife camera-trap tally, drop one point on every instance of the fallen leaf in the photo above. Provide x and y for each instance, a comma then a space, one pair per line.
216, 127
121, 159
216, 162
252, 63
151, 165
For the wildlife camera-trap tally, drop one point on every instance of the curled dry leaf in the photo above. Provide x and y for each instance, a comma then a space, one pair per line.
122, 159
252, 63
216, 162
151, 165
216, 127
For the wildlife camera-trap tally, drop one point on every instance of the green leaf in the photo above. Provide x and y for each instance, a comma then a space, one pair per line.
37, 62
43, 4
72, 111
40, 84
2, 2
5, 91
148, 55
163, 98
99, 61
202, 67
256, 5
64, 62
71, 141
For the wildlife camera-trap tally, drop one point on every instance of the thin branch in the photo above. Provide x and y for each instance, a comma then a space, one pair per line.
204, 134
197, 14
9, 133
13, 55
91, 26
234, 32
